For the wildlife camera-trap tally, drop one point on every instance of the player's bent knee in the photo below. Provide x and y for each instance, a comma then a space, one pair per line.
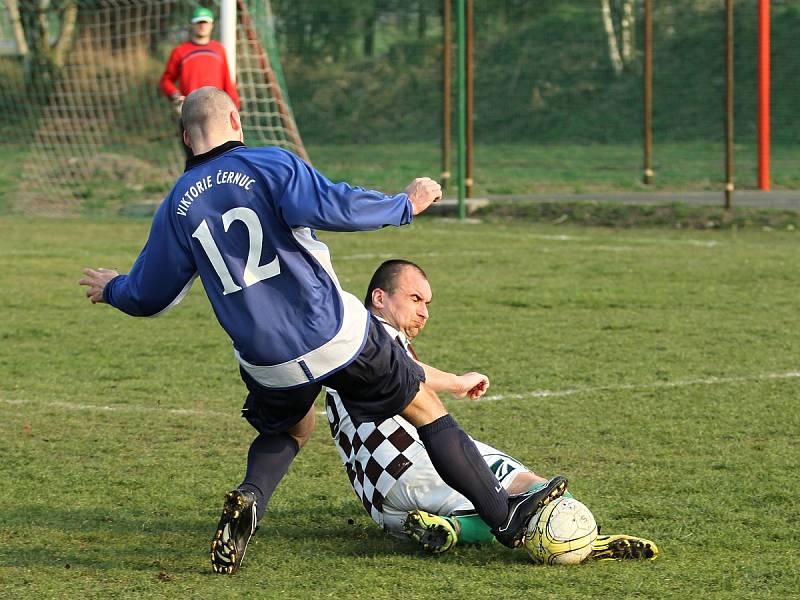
302, 431
302, 437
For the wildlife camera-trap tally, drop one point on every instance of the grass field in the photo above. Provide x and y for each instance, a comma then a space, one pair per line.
656, 369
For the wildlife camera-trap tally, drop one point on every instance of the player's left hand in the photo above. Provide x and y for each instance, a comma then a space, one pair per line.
177, 103
96, 280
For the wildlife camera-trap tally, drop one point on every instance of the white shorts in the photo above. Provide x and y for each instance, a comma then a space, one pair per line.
421, 488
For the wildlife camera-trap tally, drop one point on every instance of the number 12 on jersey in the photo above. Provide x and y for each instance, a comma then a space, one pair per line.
253, 272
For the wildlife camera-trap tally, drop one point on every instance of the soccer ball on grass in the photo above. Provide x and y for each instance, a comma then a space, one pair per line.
561, 533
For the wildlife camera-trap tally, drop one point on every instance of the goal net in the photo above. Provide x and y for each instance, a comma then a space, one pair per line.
79, 90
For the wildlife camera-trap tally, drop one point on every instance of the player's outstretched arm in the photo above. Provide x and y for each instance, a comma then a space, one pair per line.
96, 280
160, 277
309, 199
473, 385
422, 192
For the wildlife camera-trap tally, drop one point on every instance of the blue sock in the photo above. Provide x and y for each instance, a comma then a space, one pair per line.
461, 466
268, 461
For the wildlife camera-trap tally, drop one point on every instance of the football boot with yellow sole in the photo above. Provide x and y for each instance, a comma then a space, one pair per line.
433, 533
623, 547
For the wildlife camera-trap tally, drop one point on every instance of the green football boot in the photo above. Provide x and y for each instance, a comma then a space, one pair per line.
433, 533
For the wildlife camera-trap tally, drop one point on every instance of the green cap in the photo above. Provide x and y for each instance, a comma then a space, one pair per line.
202, 14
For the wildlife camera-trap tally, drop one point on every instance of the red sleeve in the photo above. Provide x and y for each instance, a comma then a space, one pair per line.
229, 86
171, 75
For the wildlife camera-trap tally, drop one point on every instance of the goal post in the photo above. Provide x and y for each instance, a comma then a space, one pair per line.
227, 32
97, 133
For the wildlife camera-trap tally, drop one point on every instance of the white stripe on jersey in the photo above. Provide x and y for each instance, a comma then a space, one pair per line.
305, 237
321, 361
179, 298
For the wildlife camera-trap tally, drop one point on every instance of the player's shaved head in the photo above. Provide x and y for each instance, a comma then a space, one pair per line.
207, 118
387, 275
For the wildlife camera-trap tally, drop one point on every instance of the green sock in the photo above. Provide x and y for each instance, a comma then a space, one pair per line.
473, 530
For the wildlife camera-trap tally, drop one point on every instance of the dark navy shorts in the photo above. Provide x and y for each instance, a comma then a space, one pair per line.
377, 385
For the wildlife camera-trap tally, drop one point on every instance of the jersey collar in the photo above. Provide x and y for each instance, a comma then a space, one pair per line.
213, 153
393, 331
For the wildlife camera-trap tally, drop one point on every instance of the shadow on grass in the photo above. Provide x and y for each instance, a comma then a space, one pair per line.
95, 538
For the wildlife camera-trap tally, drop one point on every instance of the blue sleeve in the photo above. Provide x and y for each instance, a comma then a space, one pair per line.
309, 199
161, 275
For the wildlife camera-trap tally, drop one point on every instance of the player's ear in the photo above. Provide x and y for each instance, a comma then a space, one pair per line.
236, 120
186, 139
236, 124
377, 298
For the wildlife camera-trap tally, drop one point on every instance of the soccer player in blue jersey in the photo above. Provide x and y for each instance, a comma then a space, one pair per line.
243, 220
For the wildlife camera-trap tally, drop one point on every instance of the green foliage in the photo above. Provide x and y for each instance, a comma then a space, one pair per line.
12, 128
542, 73
670, 357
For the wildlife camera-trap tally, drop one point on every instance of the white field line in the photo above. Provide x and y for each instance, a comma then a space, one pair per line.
375, 256
641, 386
626, 243
122, 408
633, 244
388, 255
116, 408
639, 241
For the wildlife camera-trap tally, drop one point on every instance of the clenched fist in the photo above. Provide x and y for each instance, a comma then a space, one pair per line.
422, 192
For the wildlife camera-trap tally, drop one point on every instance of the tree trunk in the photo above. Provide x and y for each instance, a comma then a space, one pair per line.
64, 42
613, 47
44, 61
38, 68
368, 45
19, 32
41, 29
422, 20
627, 27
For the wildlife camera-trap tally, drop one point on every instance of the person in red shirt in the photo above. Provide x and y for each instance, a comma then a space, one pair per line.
197, 63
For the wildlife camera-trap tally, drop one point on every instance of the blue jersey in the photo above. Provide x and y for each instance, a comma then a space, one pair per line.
243, 219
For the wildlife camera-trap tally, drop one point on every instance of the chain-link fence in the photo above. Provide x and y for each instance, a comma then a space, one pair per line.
81, 99
552, 77
557, 87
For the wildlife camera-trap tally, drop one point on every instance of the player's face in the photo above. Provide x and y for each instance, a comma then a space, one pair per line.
202, 31
407, 307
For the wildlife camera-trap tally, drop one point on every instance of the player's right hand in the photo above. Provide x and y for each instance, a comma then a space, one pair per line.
422, 192
473, 385
96, 280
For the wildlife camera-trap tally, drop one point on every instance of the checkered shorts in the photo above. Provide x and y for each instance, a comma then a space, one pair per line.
375, 457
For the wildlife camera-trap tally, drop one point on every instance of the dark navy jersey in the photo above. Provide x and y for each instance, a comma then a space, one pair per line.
243, 219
